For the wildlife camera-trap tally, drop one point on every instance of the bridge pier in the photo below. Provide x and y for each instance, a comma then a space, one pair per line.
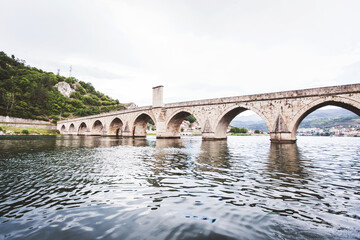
166, 135
210, 136
138, 136
281, 133
162, 132
282, 137
126, 135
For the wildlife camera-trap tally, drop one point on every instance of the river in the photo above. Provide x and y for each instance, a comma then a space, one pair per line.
63, 187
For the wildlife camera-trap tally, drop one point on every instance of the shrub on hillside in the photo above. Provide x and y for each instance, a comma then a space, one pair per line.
65, 114
25, 131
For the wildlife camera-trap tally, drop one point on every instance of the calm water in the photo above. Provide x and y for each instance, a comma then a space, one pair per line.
242, 188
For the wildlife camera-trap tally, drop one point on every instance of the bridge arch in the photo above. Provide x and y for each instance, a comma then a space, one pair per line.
140, 124
82, 128
97, 128
72, 128
63, 128
115, 127
346, 103
173, 123
224, 120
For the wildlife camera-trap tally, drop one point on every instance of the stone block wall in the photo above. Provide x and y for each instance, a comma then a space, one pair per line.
20, 120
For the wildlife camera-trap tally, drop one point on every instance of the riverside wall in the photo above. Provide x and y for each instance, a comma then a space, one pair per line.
25, 123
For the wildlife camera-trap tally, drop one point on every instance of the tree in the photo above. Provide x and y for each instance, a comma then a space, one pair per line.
9, 100
238, 130
190, 118
243, 130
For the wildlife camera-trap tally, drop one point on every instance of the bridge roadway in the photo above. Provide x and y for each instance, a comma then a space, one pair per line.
281, 111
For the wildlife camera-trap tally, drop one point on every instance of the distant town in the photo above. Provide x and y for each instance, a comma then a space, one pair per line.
334, 131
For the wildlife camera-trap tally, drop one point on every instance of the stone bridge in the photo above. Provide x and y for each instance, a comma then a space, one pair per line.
281, 111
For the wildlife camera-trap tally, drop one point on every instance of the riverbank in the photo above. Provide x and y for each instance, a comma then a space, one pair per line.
9, 130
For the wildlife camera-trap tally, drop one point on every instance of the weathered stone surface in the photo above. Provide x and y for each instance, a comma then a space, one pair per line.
207, 127
127, 128
21, 120
24, 125
64, 88
158, 96
280, 125
281, 111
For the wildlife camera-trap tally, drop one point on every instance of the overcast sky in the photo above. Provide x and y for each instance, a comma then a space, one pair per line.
196, 49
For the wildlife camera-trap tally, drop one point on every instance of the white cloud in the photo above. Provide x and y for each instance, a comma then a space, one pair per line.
196, 49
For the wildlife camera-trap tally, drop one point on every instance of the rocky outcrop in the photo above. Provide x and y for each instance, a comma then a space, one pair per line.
64, 88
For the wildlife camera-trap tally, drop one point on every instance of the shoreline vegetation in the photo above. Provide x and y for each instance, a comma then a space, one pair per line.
7, 130
244, 134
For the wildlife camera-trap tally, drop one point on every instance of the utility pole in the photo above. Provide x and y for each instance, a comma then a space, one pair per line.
70, 71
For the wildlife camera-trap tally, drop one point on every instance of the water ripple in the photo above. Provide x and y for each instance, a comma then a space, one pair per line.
245, 187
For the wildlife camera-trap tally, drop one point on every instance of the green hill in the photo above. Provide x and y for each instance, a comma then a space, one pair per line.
329, 118
28, 92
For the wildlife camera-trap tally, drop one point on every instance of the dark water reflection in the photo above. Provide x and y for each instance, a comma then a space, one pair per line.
242, 188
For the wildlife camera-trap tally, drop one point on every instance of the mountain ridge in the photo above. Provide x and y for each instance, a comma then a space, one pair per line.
321, 118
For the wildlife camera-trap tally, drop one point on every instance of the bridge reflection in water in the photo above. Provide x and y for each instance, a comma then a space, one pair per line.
245, 187
284, 159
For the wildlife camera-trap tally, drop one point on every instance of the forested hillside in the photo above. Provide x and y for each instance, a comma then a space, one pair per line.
28, 92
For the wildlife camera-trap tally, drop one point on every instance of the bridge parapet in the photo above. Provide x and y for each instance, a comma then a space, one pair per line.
311, 92
110, 114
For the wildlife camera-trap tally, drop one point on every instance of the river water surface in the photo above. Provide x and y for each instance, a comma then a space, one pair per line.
243, 188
